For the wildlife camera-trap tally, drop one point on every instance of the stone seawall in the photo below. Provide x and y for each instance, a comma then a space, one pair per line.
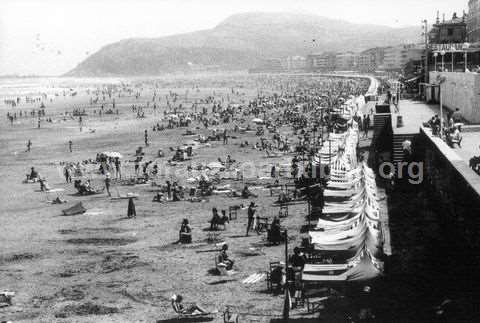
451, 183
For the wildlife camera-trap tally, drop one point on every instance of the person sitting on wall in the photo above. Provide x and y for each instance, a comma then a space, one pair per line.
457, 118
455, 138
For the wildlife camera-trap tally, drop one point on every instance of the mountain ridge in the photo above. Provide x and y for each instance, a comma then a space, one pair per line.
239, 42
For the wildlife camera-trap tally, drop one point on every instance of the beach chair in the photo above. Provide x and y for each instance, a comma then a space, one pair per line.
315, 299
262, 225
229, 317
232, 212
222, 222
298, 298
213, 237
6, 298
316, 304
185, 237
273, 281
283, 211
222, 267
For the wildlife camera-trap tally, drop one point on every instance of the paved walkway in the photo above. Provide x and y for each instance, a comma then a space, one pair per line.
458, 158
470, 145
414, 114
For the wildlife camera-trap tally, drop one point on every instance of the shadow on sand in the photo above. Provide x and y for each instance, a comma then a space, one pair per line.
187, 319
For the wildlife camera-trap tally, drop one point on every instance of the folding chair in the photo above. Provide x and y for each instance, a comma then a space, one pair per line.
222, 268
262, 225
213, 236
271, 284
283, 212
229, 317
232, 212
315, 302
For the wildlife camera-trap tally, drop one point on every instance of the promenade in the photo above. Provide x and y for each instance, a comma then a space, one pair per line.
415, 113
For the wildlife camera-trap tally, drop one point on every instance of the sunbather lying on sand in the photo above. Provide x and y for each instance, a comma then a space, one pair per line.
191, 309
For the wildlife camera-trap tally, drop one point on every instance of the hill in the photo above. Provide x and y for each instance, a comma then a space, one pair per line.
239, 42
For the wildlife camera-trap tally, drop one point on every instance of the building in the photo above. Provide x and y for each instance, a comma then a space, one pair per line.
345, 61
294, 63
448, 44
371, 59
321, 62
268, 65
452, 31
395, 58
473, 21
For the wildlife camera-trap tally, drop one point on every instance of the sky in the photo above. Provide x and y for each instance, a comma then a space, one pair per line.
50, 37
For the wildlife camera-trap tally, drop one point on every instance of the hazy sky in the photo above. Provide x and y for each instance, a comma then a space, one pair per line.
50, 37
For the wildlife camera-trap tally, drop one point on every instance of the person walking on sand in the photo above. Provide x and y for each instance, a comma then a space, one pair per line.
366, 125
146, 138
29, 145
70, 143
107, 185
131, 208
137, 166
67, 173
117, 168
225, 136
251, 216
169, 190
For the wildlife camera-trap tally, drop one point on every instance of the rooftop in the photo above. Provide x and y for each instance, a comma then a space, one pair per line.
454, 21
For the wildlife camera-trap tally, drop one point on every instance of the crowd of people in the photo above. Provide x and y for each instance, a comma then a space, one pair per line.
290, 117
448, 129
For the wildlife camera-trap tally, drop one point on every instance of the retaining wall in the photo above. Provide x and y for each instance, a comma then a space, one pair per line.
460, 90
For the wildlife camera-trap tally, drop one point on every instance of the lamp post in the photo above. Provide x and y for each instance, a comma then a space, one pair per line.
442, 53
435, 55
441, 79
453, 54
465, 48
425, 34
